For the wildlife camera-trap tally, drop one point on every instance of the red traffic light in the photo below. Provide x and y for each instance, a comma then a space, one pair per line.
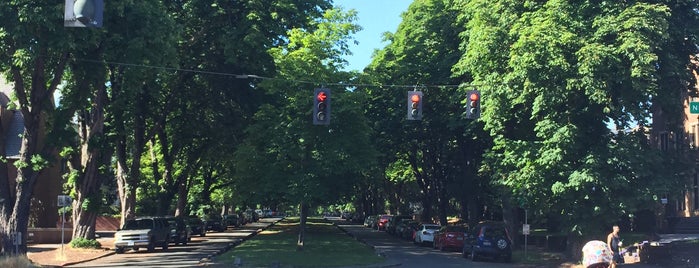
415, 98
321, 96
321, 106
414, 105
473, 96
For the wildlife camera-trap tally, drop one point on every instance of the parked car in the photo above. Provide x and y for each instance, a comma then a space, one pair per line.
400, 226
179, 231
196, 225
392, 223
260, 213
231, 220
408, 232
425, 233
382, 221
250, 216
450, 237
147, 232
488, 239
215, 223
370, 221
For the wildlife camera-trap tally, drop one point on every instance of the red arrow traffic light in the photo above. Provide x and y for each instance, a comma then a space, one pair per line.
321, 96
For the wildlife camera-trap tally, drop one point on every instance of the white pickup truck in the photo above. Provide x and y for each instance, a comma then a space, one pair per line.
147, 232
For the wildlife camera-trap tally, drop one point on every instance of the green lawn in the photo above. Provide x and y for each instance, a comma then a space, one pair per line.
325, 246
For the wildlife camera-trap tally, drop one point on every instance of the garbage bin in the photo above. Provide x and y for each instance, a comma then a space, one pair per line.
653, 252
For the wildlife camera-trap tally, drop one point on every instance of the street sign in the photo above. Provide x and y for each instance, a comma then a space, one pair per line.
525, 229
64, 200
17, 239
694, 107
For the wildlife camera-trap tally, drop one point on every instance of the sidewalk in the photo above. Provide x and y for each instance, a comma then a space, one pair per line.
60, 255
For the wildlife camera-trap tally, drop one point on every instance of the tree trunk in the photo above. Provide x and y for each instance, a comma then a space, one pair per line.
127, 180
92, 157
170, 188
442, 199
129, 173
302, 226
7, 195
26, 179
426, 216
182, 191
474, 215
508, 216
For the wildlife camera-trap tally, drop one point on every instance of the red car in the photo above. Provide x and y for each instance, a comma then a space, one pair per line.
450, 237
382, 221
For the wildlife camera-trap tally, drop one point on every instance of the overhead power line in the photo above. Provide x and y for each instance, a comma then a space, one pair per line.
253, 76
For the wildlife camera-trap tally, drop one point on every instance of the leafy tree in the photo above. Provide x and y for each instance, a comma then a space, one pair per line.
316, 164
204, 113
556, 76
422, 52
34, 53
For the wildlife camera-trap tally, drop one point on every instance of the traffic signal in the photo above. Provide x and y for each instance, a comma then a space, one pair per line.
321, 106
473, 104
414, 105
83, 13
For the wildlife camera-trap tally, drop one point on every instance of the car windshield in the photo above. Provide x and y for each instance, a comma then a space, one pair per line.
138, 224
431, 227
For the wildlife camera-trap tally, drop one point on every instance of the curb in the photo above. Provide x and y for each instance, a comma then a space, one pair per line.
211, 257
378, 252
108, 252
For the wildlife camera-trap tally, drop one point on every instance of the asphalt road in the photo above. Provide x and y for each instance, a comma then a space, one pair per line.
403, 253
181, 256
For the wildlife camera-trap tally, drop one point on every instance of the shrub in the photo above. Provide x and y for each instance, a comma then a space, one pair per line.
85, 243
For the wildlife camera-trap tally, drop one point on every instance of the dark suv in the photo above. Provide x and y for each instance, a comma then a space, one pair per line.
179, 231
215, 223
196, 225
488, 239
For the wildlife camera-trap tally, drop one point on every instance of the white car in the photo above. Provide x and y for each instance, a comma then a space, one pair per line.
425, 233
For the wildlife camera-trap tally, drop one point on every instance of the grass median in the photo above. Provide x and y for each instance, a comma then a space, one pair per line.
325, 245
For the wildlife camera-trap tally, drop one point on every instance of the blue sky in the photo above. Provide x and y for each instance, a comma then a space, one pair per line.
375, 17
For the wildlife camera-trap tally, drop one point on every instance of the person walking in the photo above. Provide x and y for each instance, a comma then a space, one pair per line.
614, 243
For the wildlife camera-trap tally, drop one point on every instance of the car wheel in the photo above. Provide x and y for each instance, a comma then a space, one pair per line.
119, 250
151, 246
474, 256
